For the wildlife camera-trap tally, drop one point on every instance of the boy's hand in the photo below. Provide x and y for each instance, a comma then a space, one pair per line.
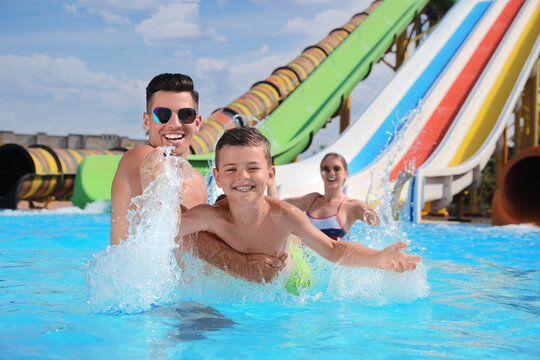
268, 266
392, 259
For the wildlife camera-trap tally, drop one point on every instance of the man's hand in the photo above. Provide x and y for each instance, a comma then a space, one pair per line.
266, 265
251, 267
152, 165
392, 259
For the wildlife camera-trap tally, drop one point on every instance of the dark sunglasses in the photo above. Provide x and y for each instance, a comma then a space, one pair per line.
162, 115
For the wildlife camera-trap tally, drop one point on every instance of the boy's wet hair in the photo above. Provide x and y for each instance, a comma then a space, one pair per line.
172, 82
244, 136
341, 158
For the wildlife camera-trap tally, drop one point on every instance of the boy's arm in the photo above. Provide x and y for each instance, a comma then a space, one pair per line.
251, 267
195, 219
352, 254
208, 247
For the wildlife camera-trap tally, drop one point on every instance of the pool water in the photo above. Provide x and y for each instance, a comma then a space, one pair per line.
477, 296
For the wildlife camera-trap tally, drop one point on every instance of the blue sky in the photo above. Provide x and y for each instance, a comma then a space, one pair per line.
81, 67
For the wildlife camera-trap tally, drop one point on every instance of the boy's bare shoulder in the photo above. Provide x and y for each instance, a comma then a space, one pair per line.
215, 212
284, 209
203, 209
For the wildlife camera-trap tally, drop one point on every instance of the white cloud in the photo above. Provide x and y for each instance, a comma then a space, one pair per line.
183, 53
263, 50
242, 76
175, 22
70, 8
320, 25
118, 5
112, 18
208, 65
61, 95
118, 11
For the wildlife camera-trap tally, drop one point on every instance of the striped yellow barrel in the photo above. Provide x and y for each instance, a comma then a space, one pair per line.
39, 173
45, 162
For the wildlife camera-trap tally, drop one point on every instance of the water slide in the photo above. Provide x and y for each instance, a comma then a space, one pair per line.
472, 139
427, 107
299, 98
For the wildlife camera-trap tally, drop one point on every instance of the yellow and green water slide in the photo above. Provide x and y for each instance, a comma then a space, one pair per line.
298, 99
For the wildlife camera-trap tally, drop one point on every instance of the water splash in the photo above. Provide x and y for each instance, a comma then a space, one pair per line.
141, 272
373, 286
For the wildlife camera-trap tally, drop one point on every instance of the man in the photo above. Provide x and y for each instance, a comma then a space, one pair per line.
172, 119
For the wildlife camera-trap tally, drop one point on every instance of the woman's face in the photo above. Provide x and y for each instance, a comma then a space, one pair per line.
333, 172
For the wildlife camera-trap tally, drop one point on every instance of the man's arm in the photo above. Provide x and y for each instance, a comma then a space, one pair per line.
126, 185
121, 195
251, 267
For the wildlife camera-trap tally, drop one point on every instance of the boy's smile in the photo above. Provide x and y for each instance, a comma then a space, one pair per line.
174, 132
243, 171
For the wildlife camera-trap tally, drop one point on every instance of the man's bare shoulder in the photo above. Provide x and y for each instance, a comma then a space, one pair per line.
197, 179
134, 156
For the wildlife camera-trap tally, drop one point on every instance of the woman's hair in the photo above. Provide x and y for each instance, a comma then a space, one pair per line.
341, 158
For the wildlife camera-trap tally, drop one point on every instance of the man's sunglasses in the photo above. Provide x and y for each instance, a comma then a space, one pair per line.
162, 115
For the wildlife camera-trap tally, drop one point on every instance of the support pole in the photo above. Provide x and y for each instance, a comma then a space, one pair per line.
345, 114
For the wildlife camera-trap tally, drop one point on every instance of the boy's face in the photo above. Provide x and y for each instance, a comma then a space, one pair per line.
243, 172
174, 132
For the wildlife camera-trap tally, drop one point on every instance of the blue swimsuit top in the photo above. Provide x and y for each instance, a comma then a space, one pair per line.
329, 225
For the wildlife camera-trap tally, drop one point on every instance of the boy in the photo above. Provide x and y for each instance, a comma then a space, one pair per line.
249, 221
172, 119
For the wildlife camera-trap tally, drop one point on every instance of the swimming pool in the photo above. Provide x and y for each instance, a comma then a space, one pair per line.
479, 298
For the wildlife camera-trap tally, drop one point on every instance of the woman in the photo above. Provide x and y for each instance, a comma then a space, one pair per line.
333, 213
